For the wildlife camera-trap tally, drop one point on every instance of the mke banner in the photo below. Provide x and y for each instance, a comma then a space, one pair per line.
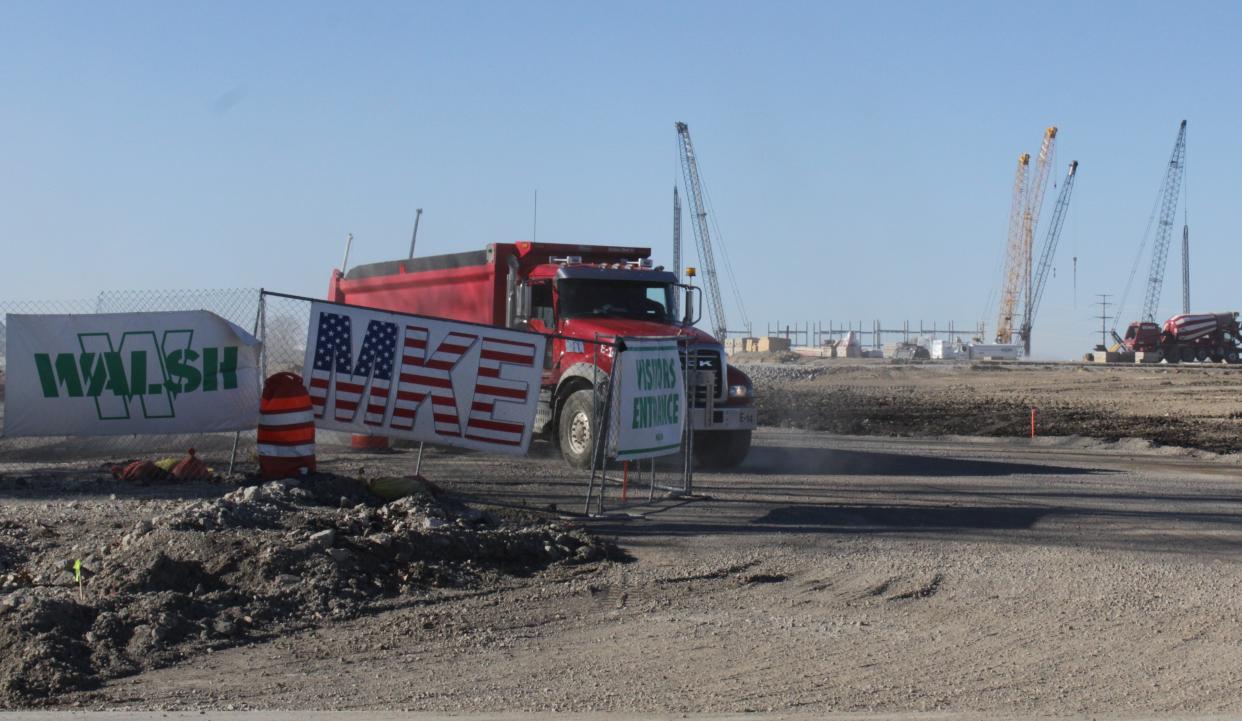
424, 379
648, 400
123, 373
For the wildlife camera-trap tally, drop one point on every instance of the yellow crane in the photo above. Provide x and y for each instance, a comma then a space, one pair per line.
1028, 200
1013, 253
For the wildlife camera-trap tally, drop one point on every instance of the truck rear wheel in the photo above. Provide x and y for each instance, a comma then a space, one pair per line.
1188, 353
576, 430
717, 450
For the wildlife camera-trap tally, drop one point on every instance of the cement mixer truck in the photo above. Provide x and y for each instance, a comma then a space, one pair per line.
1189, 337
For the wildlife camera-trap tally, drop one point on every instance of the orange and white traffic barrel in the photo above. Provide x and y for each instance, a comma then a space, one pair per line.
286, 428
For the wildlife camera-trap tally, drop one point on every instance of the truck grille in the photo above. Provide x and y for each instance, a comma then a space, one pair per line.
708, 359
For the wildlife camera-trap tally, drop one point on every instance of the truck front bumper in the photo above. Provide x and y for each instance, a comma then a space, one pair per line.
723, 418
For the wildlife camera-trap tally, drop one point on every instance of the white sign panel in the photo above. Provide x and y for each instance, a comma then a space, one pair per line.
123, 373
425, 379
649, 397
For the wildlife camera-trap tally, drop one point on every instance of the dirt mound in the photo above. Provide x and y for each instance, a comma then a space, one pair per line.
912, 405
257, 562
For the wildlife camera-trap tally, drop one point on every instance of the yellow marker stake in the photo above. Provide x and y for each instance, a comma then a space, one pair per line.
77, 576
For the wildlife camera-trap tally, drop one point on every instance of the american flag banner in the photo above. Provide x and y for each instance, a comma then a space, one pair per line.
494, 393
426, 373
425, 379
333, 355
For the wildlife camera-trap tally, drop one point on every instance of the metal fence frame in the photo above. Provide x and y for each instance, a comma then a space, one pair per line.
692, 380
280, 321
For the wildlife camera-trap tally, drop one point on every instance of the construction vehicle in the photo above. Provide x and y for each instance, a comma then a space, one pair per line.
1188, 337
1166, 203
576, 294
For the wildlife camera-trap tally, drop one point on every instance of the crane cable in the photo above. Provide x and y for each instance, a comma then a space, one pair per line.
724, 252
1138, 259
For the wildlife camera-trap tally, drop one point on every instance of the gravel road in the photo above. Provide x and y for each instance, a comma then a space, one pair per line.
830, 574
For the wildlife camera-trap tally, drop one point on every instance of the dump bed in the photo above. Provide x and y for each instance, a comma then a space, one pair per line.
457, 286
471, 286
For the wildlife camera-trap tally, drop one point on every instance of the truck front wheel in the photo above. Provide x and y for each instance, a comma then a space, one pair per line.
576, 431
718, 450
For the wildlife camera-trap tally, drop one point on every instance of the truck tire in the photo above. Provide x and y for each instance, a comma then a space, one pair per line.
1188, 353
718, 450
1201, 354
576, 429
1231, 355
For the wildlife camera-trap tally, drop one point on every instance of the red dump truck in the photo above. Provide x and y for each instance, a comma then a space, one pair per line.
1201, 337
575, 293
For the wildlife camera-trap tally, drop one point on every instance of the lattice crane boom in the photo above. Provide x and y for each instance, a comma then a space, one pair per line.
694, 189
1170, 191
1030, 218
1013, 254
1049, 250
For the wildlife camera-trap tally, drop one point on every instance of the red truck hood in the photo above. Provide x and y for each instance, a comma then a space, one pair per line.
586, 328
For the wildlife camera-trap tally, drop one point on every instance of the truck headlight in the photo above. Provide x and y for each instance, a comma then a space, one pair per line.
739, 392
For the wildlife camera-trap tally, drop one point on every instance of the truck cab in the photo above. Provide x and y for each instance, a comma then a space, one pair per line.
579, 295
1142, 336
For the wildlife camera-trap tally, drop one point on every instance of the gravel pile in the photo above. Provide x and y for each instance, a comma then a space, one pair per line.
257, 562
765, 374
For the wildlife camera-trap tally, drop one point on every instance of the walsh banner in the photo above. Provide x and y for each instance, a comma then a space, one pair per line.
425, 379
648, 400
123, 373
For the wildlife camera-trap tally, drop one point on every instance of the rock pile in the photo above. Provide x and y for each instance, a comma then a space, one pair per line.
257, 562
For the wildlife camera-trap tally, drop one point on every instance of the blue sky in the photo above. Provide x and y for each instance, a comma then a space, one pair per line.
859, 156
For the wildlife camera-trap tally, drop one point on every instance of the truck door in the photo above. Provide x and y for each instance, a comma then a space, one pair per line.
543, 317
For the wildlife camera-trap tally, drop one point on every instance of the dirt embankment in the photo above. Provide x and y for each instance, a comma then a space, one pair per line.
255, 563
1183, 406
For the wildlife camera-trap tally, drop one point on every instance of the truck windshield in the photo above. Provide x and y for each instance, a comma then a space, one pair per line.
614, 298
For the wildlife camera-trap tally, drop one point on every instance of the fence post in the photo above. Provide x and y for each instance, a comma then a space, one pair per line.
262, 355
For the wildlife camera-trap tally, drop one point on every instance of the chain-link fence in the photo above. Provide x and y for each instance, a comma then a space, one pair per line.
240, 306
282, 327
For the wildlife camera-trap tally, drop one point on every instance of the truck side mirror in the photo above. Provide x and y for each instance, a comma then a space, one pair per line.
522, 311
689, 318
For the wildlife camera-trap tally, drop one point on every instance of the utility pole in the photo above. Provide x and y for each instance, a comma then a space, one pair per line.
1104, 317
676, 245
1186, 268
676, 235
